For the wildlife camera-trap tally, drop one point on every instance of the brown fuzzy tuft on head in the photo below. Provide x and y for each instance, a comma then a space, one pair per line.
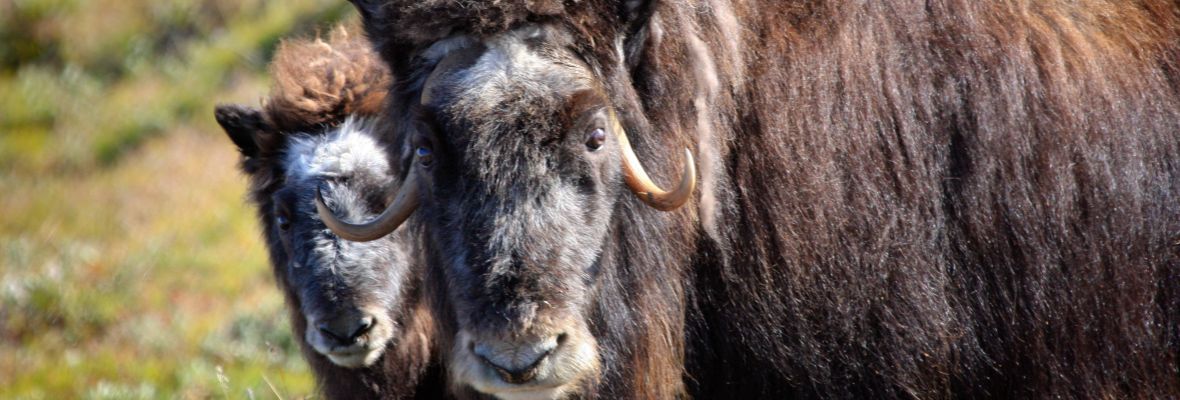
318, 82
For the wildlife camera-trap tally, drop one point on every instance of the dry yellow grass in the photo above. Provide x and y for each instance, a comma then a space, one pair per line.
136, 276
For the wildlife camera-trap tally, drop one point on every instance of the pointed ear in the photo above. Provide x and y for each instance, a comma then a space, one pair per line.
243, 125
637, 11
367, 8
637, 18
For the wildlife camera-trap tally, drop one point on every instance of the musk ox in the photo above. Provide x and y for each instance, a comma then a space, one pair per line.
355, 306
941, 198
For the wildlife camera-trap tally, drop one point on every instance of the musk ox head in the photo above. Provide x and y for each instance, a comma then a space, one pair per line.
521, 159
301, 145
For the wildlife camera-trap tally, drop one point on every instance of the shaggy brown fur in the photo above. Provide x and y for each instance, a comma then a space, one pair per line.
943, 198
317, 85
318, 82
430, 20
637, 316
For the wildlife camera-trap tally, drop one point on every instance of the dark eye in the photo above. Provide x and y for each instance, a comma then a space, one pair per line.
283, 222
424, 155
595, 139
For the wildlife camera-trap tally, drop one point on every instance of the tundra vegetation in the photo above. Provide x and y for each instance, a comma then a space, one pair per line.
123, 203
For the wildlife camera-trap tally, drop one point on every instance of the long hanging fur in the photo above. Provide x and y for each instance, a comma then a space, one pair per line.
943, 198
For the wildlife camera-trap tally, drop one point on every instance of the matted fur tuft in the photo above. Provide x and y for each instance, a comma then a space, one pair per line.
318, 82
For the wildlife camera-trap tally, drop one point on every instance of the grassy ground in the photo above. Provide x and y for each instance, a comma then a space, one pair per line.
130, 265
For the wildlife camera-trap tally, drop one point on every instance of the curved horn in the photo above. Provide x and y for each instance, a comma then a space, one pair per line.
647, 190
403, 204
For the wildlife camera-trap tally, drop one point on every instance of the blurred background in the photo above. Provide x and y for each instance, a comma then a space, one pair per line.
130, 264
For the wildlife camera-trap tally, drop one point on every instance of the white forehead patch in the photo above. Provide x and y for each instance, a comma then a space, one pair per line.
509, 66
349, 149
497, 66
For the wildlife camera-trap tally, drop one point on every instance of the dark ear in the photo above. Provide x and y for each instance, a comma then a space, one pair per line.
367, 8
636, 17
243, 125
637, 11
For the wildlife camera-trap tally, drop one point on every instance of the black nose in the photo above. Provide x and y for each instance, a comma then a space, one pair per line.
345, 328
516, 363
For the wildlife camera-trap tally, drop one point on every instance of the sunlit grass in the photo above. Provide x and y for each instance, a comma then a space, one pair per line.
149, 273
93, 119
130, 264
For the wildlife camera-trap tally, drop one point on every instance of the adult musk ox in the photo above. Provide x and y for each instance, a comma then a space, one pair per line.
940, 198
356, 306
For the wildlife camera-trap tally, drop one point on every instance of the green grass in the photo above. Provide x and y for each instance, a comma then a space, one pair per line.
130, 264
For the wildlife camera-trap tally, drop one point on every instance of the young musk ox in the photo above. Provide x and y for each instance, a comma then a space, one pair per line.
941, 198
356, 306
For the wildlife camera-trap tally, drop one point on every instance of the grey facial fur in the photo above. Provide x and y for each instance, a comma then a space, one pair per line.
336, 277
526, 208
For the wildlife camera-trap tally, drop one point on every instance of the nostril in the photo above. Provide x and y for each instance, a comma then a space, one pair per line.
366, 324
345, 330
515, 363
326, 330
516, 376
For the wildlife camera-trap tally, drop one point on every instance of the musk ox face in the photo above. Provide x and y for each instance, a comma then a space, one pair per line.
346, 290
516, 148
519, 160
349, 293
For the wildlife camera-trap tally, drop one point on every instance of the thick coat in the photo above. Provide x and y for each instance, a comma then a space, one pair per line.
944, 198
